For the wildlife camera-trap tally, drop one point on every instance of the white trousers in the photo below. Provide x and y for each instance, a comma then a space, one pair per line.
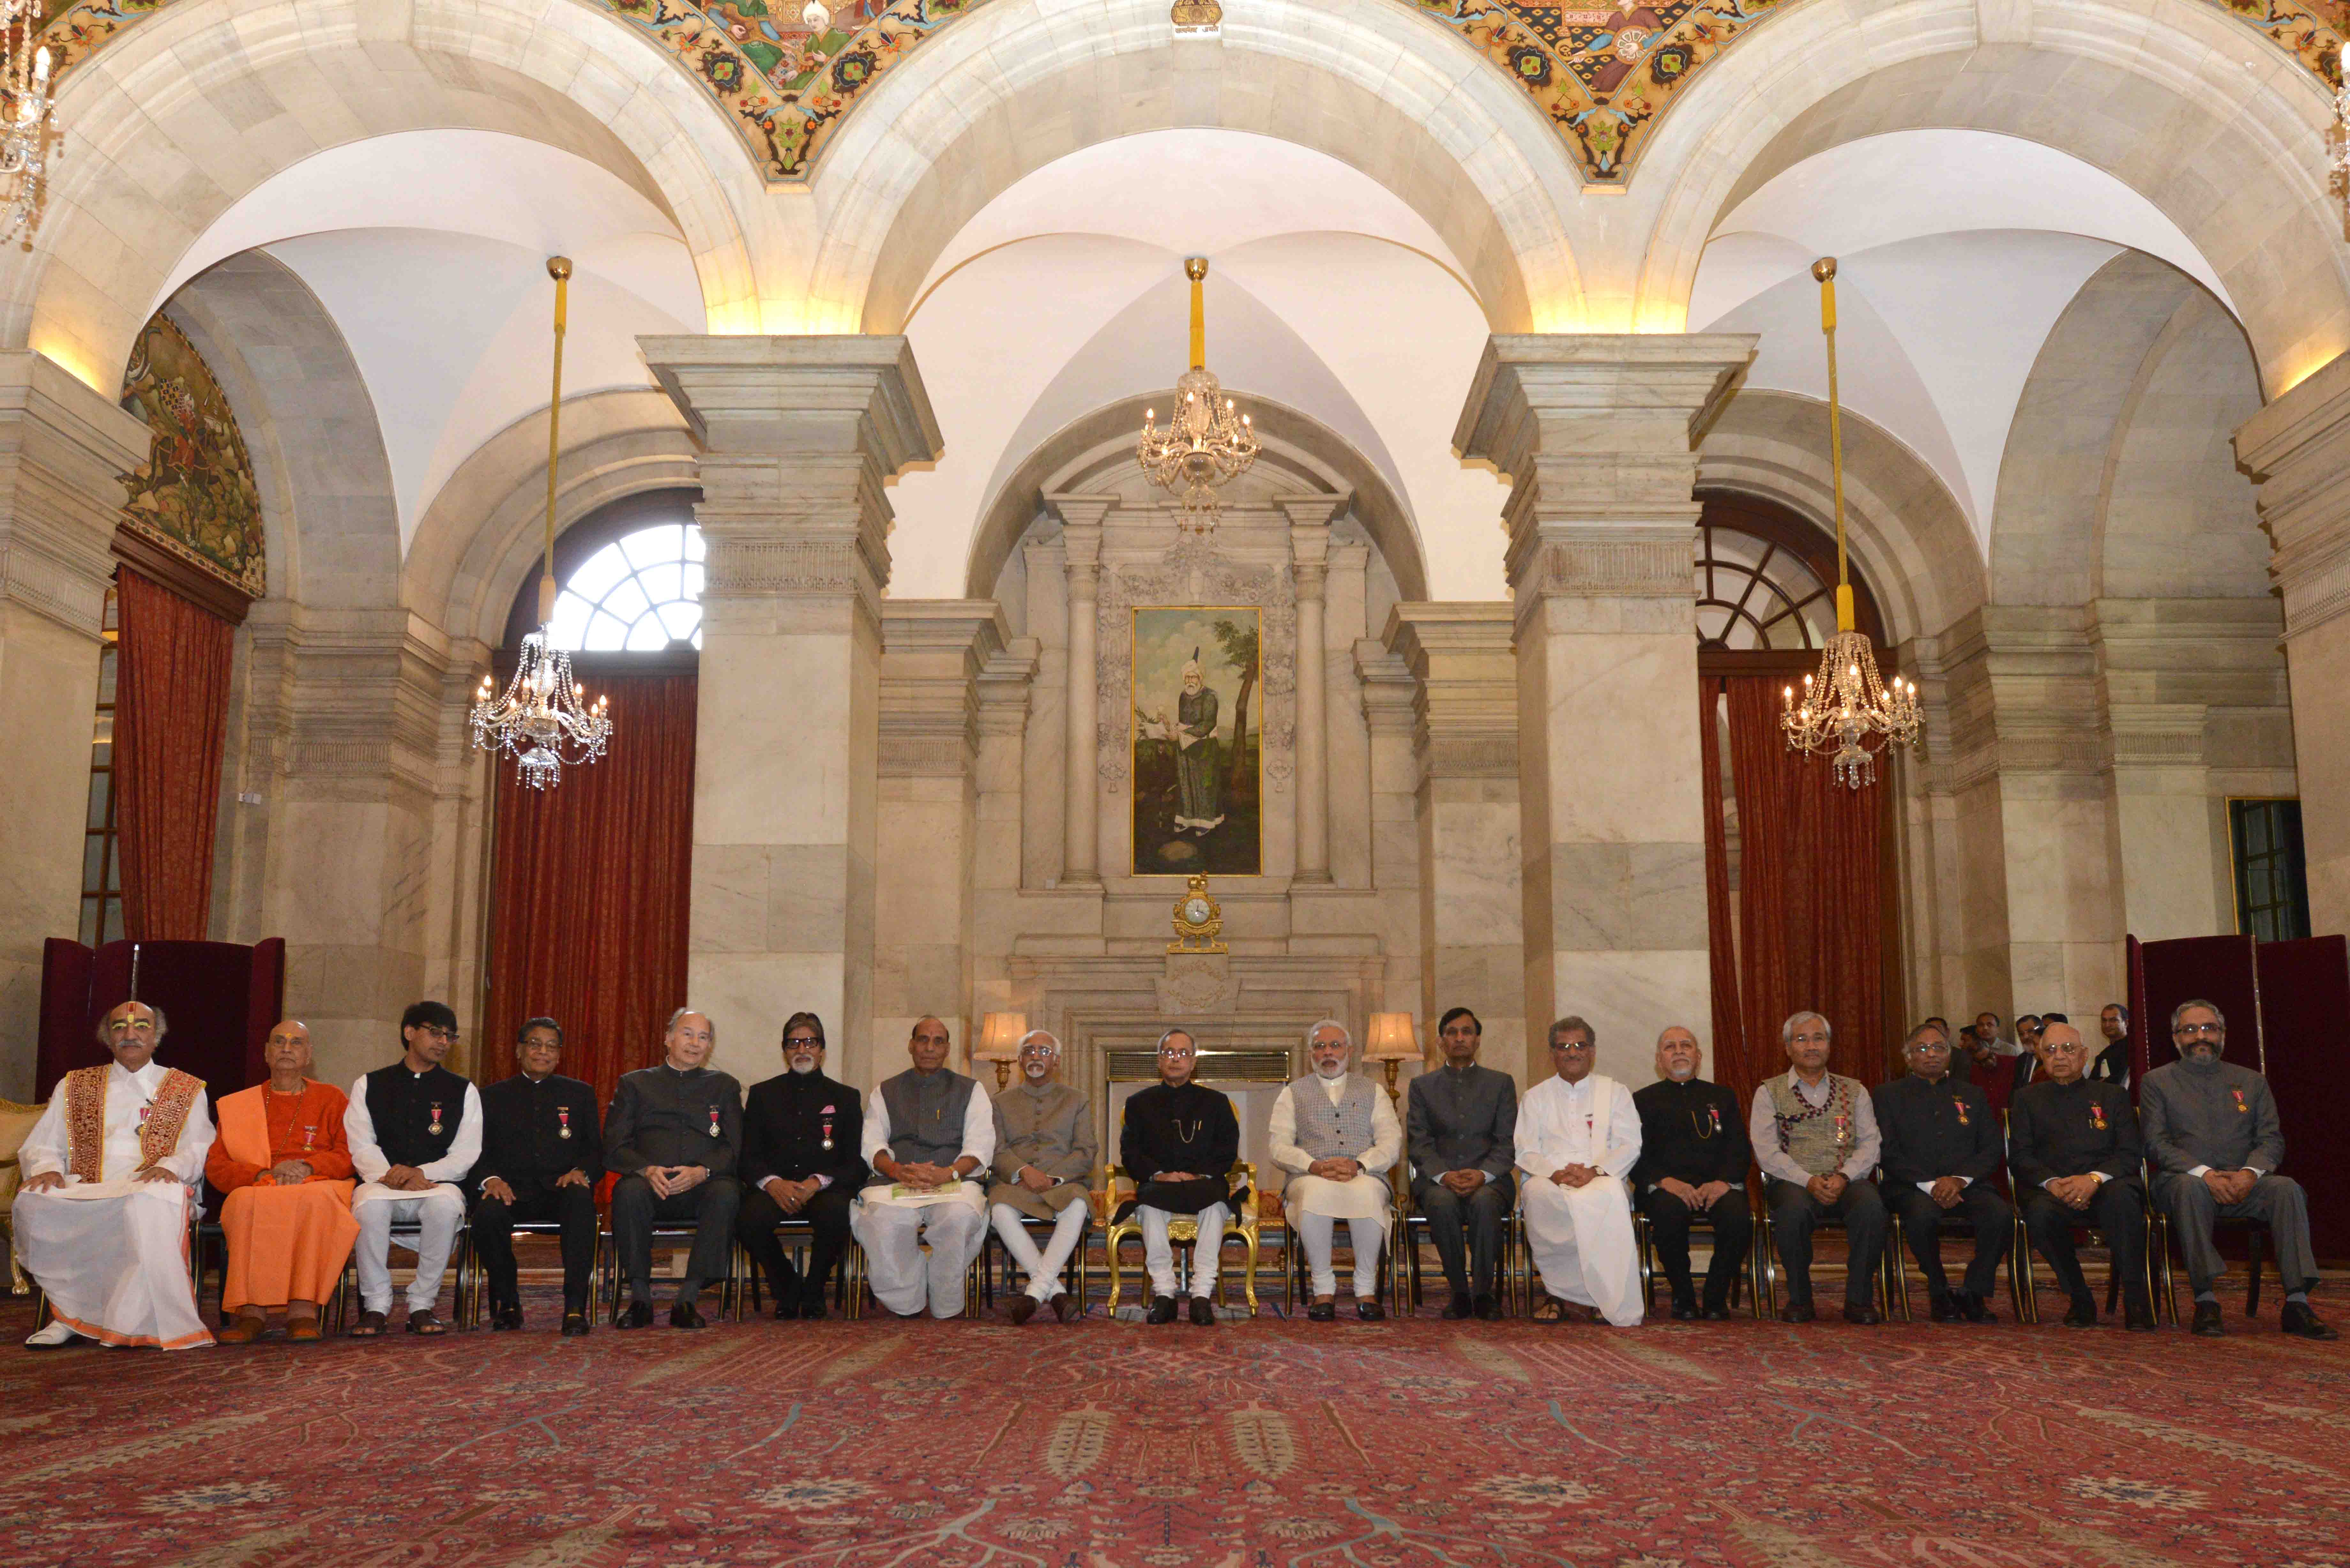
1158, 1252
1043, 1268
902, 1275
112, 1257
1318, 1231
438, 1213
1581, 1238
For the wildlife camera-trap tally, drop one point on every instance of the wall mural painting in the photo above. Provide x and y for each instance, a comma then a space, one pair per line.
1198, 740
1603, 74
195, 495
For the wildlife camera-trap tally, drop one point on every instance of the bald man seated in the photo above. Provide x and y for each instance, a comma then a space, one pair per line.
283, 1161
1692, 1169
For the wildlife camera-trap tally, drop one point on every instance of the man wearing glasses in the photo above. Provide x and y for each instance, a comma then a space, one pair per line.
414, 1130
1178, 1143
1045, 1154
2213, 1135
2075, 1150
800, 1163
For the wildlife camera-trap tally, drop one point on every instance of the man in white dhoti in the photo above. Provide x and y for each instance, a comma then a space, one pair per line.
927, 1131
414, 1130
1336, 1135
102, 1222
1578, 1138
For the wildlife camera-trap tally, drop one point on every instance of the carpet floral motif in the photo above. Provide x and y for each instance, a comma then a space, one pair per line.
1603, 74
1264, 1444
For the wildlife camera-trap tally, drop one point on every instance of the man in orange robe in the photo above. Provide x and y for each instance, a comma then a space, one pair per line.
283, 1160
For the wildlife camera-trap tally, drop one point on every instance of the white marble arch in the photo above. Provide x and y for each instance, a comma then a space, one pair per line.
1020, 83
2210, 120
175, 120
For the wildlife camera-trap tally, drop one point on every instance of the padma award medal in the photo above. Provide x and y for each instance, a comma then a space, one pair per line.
435, 1128
713, 1121
562, 1115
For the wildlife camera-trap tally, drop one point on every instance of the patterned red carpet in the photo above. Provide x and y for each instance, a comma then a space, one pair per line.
1102, 1445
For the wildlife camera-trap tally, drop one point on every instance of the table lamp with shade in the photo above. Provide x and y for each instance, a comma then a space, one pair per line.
1394, 1041
999, 1041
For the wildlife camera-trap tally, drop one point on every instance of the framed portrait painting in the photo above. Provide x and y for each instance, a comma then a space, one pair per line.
1197, 738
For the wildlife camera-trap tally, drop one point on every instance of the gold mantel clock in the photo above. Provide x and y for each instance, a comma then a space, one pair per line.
1198, 920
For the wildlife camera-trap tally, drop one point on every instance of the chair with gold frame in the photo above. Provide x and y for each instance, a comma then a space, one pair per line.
16, 1122
1184, 1230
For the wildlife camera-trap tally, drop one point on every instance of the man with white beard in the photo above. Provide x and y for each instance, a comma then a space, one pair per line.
1578, 1138
1044, 1153
1336, 1135
799, 1162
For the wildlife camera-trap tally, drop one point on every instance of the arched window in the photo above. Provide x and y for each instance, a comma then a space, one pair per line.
641, 593
1766, 586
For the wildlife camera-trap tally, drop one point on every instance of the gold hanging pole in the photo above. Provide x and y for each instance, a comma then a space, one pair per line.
1196, 269
560, 269
1824, 269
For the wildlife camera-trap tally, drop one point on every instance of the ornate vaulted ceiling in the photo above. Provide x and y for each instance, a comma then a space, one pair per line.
1603, 74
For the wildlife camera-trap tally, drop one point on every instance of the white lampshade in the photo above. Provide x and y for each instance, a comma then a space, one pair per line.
999, 1037
1393, 1038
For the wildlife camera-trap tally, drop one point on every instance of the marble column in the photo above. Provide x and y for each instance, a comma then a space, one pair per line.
1472, 902
2298, 452
799, 437
1310, 545
1597, 434
1081, 531
61, 446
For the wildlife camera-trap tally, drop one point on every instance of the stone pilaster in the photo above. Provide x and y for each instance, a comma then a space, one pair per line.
1310, 545
1472, 899
799, 437
1081, 533
2298, 452
61, 446
1597, 434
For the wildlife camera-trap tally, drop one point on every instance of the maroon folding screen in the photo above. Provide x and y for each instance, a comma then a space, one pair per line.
2304, 990
2219, 970
219, 1000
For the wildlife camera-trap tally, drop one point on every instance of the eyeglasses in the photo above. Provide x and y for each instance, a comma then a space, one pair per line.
796, 1041
446, 1036
2189, 1031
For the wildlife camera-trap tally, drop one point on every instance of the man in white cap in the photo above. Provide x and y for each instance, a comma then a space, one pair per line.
1336, 1135
1046, 1149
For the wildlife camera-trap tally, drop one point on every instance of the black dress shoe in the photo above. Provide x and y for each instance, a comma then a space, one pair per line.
1371, 1311
1716, 1312
686, 1314
1203, 1311
1798, 1312
1488, 1308
1321, 1312
638, 1314
2138, 1317
1975, 1309
2082, 1313
1024, 1307
1866, 1316
574, 1324
2208, 1323
786, 1308
1162, 1310
1944, 1310
1459, 1306
504, 1317
2298, 1319
1067, 1306
812, 1307
1684, 1314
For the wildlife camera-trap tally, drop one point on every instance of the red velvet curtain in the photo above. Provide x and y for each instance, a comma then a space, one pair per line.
1811, 894
589, 891
1733, 1063
171, 721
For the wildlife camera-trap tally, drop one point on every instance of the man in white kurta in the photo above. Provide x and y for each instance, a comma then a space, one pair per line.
102, 1222
1578, 1138
1336, 1133
926, 1132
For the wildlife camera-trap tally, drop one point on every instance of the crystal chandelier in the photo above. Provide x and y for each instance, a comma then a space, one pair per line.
25, 133
2340, 138
1208, 442
542, 720
1846, 708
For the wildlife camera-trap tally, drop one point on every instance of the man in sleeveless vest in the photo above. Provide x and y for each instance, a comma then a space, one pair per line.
1044, 1153
928, 1131
415, 1129
283, 1161
1578, 1138
1814, 1136
1178, 1140
102, 1222
1336, 1135
675, 1135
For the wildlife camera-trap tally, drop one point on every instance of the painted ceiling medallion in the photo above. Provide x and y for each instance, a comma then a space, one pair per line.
788, 72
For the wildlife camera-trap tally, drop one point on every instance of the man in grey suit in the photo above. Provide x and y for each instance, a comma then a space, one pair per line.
1044, 1153
2214, 1141
1460, 1127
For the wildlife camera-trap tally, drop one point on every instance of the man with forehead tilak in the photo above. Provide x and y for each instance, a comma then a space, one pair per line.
102, 1219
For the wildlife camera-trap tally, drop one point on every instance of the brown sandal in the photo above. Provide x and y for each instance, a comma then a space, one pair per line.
425, 1323
1550, 1309
369, 1324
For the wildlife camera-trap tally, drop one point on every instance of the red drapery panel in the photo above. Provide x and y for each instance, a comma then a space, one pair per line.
589, 891
1810, 901
171, 720
1733, 1060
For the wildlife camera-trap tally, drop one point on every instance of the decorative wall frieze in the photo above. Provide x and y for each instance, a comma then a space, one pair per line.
934, 652
1464, 673
1615, 560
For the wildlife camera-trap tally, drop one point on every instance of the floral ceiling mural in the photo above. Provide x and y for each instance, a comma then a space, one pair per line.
194, 496
788, 72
